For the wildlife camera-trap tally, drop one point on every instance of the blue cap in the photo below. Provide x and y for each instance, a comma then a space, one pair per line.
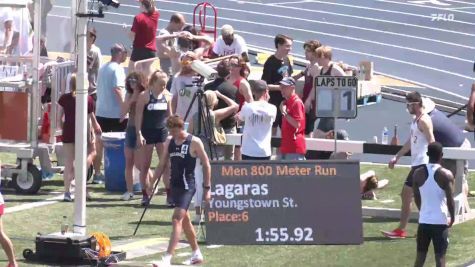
288, 81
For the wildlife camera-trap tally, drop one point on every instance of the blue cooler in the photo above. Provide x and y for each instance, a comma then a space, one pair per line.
114, 162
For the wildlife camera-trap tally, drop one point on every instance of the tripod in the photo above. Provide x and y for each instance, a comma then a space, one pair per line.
205, 132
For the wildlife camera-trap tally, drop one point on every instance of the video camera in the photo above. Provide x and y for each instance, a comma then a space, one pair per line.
204, 70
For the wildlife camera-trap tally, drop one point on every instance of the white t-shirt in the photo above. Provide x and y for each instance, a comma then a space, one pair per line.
258, 118
236, 48
183, 88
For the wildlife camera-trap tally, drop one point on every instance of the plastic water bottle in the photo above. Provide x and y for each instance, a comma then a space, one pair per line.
385, 136
64, 225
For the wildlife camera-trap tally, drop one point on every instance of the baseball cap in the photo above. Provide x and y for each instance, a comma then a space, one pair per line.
258, 85
428, 104
227, 30
288, 81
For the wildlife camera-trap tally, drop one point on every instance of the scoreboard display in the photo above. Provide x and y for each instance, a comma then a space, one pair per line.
284, 202
336, 97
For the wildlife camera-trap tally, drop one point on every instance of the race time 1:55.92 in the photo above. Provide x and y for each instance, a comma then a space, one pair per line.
284, 235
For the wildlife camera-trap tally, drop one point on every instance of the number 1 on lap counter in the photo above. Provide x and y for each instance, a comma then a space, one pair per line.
336, 97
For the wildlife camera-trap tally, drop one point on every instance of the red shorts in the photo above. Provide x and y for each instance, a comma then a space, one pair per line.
2, 209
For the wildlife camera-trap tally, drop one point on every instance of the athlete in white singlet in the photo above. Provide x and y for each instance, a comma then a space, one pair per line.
421, 136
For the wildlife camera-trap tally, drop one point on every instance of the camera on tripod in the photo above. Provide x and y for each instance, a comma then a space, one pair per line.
206, 71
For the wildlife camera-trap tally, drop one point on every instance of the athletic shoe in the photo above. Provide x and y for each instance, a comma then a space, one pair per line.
67, 197
196, 258
98, 178
127, 196
395, 234
145, 200
165, 262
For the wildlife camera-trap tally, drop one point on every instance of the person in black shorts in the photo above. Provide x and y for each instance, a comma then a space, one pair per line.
433, 188
152, 109
183, 151
276, 68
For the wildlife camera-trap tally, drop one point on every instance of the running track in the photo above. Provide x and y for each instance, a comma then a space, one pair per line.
400, 36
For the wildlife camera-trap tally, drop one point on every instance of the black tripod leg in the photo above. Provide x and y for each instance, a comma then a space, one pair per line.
146, 207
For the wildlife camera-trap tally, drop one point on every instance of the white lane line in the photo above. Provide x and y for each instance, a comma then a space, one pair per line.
433, 2
335, 48
357, 17
464, 7
28, 206
330, 34
461, 2
294, 2
349, 26
352, 27
375, 9
432, 7
341, 49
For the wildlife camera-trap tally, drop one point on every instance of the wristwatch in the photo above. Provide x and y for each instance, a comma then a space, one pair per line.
206, 187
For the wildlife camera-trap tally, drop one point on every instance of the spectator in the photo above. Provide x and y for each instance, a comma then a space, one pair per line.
449, 135
324, 56
183, 89
433, 195
277, 67
471, 110
68, 104
210, 102
310, 48
243, 93
17, 40
236, 77
230, 43
152, 110
110, 97
176, 24
293, 146
6, 18
134, 85
143, 33
4, 240
340, 135
225, 88
421, 136
258, 116
189, 40
369, 182
94, 57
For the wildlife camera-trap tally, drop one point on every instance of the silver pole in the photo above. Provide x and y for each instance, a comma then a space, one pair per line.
35, 103
79, 226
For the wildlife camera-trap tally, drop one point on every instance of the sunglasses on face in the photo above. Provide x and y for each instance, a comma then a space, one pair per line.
409, 104
132, 81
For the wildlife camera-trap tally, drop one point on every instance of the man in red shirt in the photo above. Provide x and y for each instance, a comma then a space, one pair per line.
144, 33
293, 145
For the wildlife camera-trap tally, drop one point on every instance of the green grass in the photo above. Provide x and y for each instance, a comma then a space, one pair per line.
117, 219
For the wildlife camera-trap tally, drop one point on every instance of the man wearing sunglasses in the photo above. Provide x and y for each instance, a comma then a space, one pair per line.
418, 142
230, 44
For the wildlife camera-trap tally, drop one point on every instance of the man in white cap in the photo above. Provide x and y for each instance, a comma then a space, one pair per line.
230, 43
6, 19
17, 28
